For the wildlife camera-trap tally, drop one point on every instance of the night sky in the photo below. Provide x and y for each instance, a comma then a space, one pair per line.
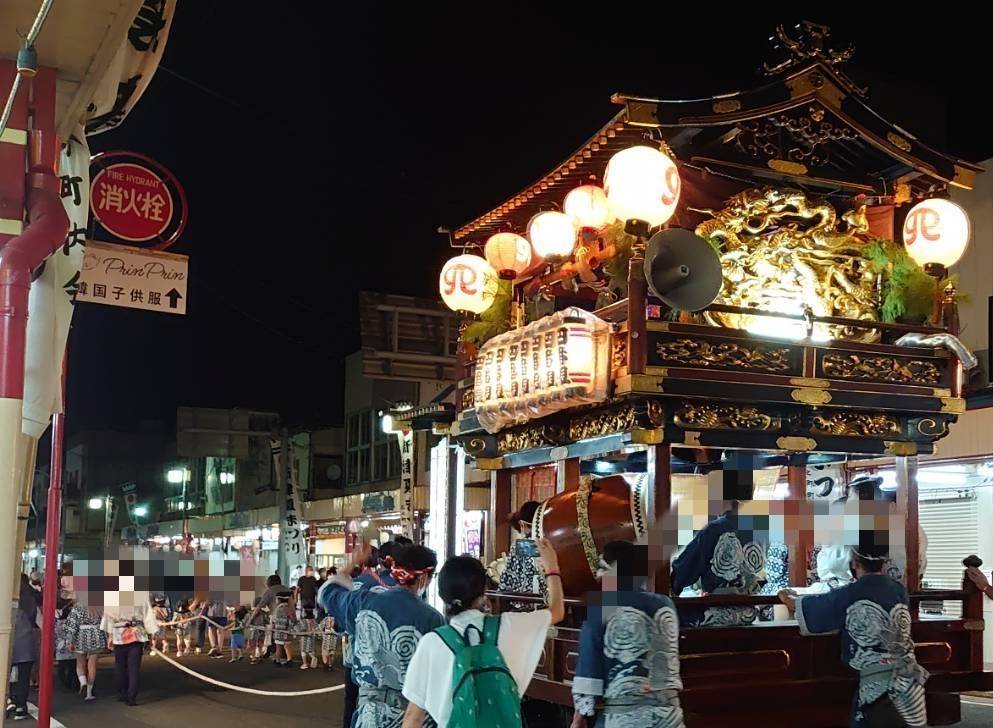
320, 153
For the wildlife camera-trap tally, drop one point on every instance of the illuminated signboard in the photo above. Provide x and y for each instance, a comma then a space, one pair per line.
555, 363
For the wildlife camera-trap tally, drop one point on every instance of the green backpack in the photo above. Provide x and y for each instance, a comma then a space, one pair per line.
484, 693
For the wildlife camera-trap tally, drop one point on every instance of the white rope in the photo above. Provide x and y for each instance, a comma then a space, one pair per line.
267, 628
242, 689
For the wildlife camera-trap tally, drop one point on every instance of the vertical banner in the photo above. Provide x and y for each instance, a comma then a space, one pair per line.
438, 513
110, 513
406, 440
292, 547
130, 493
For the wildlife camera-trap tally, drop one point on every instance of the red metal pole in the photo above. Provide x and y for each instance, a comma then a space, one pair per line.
53, 526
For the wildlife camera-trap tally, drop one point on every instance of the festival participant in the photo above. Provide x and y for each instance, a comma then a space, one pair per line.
386, 627
128, 629
216, 612
256, 629
979, 579
237, 627
519, 637
307, 590
183, 629
87, 640
329, 642
281, 622
724, 557
163, 614
873, 617
64, 657
386, 563
306, 629
869, 488
521, 574
24, 650
628, 648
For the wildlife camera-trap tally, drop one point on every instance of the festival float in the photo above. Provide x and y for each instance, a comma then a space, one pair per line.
757, 280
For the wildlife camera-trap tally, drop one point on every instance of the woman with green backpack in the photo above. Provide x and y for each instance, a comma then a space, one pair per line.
473, 672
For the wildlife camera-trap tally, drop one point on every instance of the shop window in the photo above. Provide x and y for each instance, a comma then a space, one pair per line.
372, 455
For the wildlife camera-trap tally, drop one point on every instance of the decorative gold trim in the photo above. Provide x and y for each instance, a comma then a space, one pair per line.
583, 524
657, 371
796, 444
729, 355
489, 463
642, 436
618, 352
691, 438
881, 369
787, 167
440, 428
953, 405
714, 416
468, 398
900, 448
930, 427
656, 326
942, 392
475, 445
726, 106
855, 424
655, 412
602, 423
898, 141
810, 382
525, 439
974, 625
640, 383
808, 395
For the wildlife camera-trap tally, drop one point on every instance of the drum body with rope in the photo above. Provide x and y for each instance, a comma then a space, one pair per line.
579, 523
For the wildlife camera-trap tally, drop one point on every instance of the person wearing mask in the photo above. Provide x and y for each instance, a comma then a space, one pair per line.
385, 626
873, 616
27, 640
128, 628
628, 648
521, 574
519, 636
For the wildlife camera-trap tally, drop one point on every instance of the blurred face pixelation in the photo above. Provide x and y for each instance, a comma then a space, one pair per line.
137, 576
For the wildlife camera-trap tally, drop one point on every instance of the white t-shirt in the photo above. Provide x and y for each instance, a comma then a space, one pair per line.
429, 676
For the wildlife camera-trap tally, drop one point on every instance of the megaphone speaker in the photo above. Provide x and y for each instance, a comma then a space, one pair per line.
682, 269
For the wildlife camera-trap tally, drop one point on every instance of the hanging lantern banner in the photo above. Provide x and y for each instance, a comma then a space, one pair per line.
406, 440
292, 545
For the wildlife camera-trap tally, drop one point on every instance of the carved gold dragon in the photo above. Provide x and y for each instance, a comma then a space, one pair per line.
783, 252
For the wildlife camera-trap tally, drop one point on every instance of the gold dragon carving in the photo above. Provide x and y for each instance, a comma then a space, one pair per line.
783, 252
856, 424
710, 416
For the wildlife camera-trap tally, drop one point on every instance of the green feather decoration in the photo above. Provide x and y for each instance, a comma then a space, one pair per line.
493, 321
908, 292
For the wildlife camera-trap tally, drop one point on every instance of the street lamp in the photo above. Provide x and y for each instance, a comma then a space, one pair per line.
95, 504
141, 511
176, 476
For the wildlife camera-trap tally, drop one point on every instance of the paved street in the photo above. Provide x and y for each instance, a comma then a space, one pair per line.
170, 698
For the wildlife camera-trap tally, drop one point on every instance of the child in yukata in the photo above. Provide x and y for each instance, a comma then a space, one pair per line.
282, 621
306, 628
163, 615
628, 649
873, 616
64, 656
183, 628
256, 632
329, 642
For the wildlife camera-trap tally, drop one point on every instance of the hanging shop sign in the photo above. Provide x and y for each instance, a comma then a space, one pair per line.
560, 361
406, 440
118, 275
378, 503
136, 200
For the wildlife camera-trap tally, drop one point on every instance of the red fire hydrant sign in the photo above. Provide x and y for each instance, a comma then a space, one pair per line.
131, 202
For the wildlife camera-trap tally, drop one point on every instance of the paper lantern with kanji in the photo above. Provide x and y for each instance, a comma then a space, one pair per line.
587, 206
508, 253
553, 234
642, 184
468, 283
936, 232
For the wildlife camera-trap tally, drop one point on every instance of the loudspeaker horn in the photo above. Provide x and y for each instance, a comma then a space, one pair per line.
682, 269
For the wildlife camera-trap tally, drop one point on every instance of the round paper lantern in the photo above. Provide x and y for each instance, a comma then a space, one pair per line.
468, 283
642, 183
936, 232
552, 234
508, 253
587, 206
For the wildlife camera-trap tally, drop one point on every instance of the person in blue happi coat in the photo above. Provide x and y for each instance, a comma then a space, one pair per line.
628, 649
873, 617
384, 627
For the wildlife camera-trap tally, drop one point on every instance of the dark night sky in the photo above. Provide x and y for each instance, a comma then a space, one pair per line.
320, 154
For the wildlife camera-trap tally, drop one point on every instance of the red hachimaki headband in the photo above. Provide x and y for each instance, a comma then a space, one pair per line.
406, 577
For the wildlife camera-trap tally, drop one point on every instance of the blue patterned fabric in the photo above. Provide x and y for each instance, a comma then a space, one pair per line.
873, 617
629, 657
728, 556
384, 627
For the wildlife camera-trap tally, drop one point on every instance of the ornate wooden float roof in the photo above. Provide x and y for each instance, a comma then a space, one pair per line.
809, 126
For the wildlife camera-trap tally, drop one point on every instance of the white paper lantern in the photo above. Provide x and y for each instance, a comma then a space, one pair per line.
642, 183
587, 206
468, 283
508, 253
552, 234
936, 231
